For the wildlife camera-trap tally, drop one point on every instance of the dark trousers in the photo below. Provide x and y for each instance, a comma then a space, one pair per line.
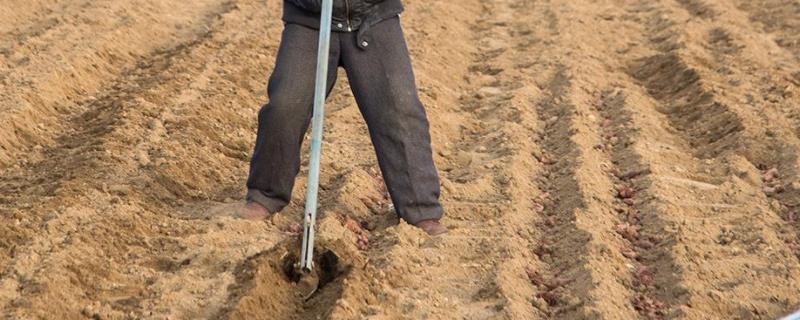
383, 84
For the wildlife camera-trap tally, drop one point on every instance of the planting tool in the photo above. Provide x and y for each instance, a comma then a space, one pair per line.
308, 277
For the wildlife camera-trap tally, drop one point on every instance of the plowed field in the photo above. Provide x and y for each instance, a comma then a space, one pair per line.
611, 159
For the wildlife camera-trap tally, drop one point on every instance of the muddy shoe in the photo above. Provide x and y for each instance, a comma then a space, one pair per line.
252, 211
432, 227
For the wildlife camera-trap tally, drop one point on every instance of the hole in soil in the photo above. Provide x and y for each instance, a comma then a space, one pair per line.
326, 267
268, 287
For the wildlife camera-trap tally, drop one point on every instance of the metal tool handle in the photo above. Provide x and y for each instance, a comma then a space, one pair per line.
793, 316
310, 213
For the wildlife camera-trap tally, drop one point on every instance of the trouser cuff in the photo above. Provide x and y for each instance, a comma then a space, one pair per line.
415, 215
272, 204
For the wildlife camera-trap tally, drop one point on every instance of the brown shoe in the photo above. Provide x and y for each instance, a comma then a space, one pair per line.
432, 227
253, 211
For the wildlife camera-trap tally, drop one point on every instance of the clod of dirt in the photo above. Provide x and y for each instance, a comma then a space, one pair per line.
546, 160
628, 231
486, 92
634, 173
295, 228
770, 175
656, 238
463, 158
352, 225
629, 253
543, 250
367, 225
285, 223
550, 221
625, 192
644, 276
534, 276
726, 237
772, 182
363, 246
358, 229
651, 308
555, 283
363, 242
540, 304
644, 244
632, 216
550, 297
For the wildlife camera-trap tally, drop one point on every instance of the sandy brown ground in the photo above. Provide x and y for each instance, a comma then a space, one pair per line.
606, 159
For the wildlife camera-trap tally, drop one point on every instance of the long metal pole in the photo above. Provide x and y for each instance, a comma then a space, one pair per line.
310, 215
793, 316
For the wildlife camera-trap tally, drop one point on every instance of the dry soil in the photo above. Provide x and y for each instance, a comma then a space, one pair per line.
611, 159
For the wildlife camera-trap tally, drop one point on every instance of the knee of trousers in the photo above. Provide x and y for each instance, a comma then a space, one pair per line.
291, 110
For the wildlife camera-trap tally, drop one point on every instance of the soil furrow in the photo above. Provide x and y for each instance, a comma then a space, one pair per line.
740, 248
698, 8
31, 19
566, 279
710, 126
130, 114
679, 183
778, 17
84, 144
606, 264
504, 106
740, 50
770, 86
723, 133
763, 139
655, 275
598, 159
53, 75
637, 264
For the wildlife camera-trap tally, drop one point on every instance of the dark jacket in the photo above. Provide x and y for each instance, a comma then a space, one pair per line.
348, 15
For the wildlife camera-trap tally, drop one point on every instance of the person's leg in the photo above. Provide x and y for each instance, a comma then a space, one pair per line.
384, 87
283, 121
